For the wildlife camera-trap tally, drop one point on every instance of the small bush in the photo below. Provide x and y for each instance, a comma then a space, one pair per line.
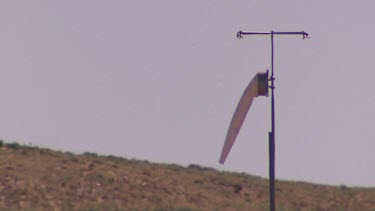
111, 180
237, 188
90, 154
175, 167
195, 166
201, 168
14, 145
343, 187
1, 143
186, 209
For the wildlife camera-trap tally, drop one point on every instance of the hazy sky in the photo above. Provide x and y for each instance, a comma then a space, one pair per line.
159, 81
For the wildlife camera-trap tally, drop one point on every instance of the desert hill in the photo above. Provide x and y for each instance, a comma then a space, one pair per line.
33, 178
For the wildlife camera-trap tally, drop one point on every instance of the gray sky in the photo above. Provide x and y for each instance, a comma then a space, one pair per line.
159, 81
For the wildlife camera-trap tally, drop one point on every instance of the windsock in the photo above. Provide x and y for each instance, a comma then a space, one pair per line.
258, 86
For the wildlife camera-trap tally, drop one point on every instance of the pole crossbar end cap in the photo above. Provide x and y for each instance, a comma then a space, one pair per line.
305, 35
239, 35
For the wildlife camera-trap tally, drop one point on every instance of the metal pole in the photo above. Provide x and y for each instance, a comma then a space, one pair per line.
271, 134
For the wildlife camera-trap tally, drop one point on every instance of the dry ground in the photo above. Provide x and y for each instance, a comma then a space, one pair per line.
41, 179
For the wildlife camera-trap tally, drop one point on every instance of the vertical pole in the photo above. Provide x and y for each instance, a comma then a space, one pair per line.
272, 135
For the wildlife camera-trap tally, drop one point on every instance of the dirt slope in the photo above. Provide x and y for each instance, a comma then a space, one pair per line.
41, 179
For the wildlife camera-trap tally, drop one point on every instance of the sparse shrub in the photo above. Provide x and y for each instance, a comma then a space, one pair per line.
198, 167
111, 180
14, 145
91, 166
343, 187
186, 209
44, 151
198, 181
237, 188
195, 166
1, 143
75, 160
175, 167
91, 154
177, 209
100, 177
35, 147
